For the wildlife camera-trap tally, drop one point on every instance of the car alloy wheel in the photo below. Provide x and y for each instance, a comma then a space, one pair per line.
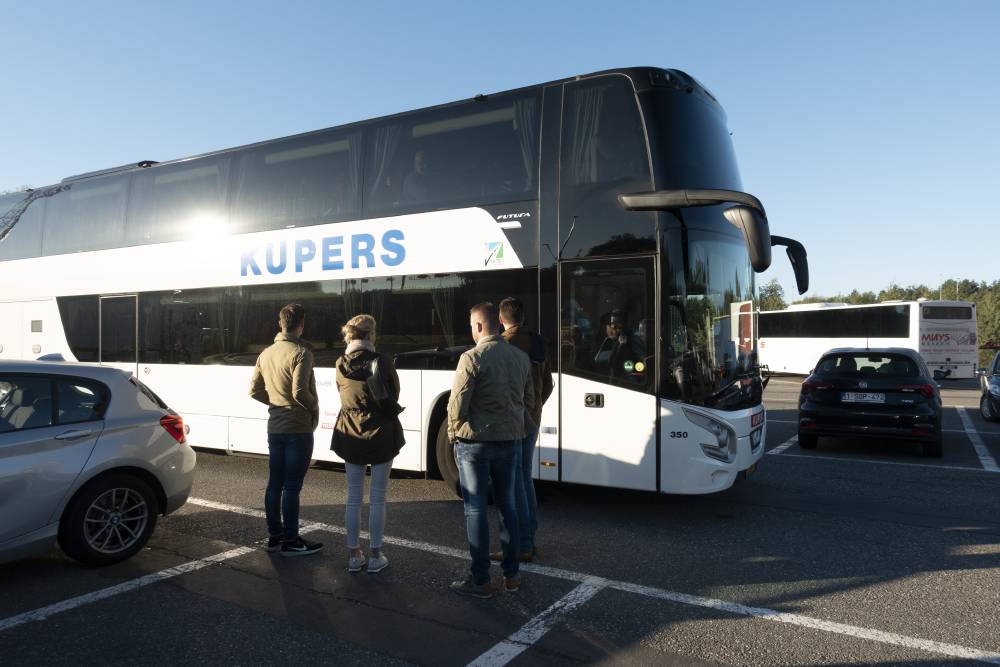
115, 520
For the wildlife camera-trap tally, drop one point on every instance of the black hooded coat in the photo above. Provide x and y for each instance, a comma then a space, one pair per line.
367, 431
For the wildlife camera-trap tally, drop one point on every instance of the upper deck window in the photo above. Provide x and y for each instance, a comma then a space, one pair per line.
603, 155
177, 202
603, 140
88, 215
480, 152
24, 239
300, 181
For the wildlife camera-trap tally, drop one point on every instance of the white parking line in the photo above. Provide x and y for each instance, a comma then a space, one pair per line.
989, 463
785, 445
941, 648
952, 650
536, 628
80, 600
43, 613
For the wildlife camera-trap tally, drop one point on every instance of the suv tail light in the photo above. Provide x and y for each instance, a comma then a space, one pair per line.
926, 389
174, 425
810, 385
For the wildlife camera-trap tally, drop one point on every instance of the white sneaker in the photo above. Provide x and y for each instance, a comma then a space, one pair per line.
355, 563
377, 564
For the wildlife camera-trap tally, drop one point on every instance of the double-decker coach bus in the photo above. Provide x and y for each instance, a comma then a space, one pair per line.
943, 332
610, 204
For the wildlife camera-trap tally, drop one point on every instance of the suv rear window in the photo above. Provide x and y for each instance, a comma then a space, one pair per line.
868, 365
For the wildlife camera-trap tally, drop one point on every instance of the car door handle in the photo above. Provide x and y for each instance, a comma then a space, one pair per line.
75, 434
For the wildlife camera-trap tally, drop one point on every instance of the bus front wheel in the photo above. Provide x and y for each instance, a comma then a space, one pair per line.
447, 465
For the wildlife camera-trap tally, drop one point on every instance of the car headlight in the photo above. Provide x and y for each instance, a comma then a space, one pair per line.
724, 446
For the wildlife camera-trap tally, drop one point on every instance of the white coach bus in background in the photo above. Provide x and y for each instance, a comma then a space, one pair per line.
580, 197
943, 332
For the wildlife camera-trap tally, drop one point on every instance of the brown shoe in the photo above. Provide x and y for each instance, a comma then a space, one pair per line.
512, 584
526, 557
468, 587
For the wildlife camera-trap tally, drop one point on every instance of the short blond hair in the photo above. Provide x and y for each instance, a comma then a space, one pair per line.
359, 327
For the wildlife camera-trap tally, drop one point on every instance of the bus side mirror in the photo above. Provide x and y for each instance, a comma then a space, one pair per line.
797, 256
747, 214
753, 224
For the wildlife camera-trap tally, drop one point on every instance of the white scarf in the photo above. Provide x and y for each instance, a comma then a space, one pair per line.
356, 345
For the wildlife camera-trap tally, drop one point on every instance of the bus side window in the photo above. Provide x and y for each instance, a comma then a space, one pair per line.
603, 155
88, 215
484, 151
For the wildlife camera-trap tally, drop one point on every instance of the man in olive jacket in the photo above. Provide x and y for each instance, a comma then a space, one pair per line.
283, 380
529, 342
486, 420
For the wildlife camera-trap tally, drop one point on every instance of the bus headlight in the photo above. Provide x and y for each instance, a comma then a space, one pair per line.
724, 447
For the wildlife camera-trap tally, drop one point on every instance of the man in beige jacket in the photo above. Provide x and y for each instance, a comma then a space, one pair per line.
486, 419
283, 380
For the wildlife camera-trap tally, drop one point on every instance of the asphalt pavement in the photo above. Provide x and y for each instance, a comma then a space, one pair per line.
854, 553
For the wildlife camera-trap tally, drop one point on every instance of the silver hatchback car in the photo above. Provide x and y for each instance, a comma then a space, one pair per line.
89, 456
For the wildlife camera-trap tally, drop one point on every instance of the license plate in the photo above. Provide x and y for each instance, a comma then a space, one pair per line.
863, 397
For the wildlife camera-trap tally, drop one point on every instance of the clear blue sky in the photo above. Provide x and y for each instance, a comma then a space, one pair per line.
869, 129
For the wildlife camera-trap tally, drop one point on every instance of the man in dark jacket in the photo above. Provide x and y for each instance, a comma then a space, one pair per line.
283, 380
529, 342
486, 420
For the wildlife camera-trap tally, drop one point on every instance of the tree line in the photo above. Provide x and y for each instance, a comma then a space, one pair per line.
985, 295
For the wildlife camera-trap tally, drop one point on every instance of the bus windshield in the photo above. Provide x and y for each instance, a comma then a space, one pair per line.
711, 344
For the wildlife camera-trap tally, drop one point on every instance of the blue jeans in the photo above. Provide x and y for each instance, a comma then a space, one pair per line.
376, 502
478, 462
524, 493
288, 462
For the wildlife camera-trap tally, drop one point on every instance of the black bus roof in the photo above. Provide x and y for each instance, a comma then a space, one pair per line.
643, 78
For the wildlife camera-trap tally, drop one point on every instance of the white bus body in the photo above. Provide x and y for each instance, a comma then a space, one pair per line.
943, 332
176, 271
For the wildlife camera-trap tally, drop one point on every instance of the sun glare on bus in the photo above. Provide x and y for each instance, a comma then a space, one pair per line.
206, 225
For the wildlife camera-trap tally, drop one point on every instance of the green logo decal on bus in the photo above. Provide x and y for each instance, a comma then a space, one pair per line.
494, 253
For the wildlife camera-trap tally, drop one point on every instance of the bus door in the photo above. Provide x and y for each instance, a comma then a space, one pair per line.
119, 332
608, 406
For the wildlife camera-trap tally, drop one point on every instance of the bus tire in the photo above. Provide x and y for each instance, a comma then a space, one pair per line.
932, 449
986, 409
447, 465
808, 441
127, 503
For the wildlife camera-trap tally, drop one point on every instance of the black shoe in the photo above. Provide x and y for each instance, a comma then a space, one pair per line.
299, 547
274, 543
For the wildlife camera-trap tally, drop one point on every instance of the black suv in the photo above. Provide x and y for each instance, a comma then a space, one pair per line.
989, 402
871, 392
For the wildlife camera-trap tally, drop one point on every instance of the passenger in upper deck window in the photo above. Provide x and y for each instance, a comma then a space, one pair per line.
416, 184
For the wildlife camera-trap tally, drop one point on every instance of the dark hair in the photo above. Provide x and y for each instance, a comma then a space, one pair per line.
488, 312
512, 310
292, 316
